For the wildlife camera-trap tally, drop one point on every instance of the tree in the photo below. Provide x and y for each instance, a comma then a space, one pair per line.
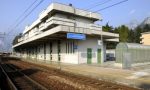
138, 31
146, 28
107, 28
15, 41
116, 30
123, 33
131, 36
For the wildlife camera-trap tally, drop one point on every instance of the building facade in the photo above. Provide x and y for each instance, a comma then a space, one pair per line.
46, 38
145, 38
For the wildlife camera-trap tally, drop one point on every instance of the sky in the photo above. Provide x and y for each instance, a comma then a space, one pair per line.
124, 13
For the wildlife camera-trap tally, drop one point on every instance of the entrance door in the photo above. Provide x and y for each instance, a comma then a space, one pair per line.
89, 56
99, 56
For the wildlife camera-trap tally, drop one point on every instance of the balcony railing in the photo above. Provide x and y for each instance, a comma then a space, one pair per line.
42, 26
68, 22
69, 9
71, 24
20, 39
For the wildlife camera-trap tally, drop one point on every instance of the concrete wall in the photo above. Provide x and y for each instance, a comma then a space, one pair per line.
67, 57
68, 52
90, 42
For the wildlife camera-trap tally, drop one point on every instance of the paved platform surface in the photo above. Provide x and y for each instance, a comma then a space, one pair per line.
136, 77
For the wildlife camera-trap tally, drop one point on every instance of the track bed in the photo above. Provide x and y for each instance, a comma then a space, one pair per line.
54, 79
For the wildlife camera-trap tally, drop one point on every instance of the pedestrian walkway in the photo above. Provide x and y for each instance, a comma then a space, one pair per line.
132, 78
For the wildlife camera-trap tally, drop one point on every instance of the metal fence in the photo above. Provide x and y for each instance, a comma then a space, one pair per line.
138, 53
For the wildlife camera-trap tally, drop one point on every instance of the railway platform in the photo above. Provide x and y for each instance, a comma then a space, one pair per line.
136, 77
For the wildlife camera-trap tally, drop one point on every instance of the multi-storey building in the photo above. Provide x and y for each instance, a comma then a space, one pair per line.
145, 38
66, 34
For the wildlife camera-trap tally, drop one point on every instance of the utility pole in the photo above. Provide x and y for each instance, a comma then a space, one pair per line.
2, 35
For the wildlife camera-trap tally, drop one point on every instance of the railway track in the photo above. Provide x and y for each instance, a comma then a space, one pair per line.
52, 78
68, 79
19, 80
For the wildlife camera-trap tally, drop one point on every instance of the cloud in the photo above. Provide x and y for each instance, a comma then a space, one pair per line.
132, 11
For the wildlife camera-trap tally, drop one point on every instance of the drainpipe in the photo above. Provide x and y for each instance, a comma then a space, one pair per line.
102, 48
102, 45
78, 51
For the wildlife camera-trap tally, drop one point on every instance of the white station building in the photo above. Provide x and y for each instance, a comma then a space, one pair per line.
66, 34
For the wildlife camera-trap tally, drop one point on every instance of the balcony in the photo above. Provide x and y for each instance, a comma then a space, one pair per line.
89, 26
64, 22
29, 28
71, 25
68, 22
70, 9
63, 28
42, 26
20, 39
63, 25
62, 8
59, 21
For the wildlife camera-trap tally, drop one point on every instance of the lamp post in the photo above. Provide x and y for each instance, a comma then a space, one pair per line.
2, 36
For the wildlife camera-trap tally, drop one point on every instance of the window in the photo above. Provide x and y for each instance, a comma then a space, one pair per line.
70, 47
73, 47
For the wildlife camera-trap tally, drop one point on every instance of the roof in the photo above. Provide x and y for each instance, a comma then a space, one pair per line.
135, 45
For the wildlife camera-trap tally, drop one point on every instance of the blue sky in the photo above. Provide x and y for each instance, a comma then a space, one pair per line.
132, 10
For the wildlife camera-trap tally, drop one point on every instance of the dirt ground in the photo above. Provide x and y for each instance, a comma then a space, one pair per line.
56, 79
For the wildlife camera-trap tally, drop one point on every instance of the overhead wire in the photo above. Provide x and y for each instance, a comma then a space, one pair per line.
23, 13
108, 7
25, 17
111, 5
19, 22
98, 4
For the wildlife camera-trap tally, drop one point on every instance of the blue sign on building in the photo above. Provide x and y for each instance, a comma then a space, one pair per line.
76, 36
